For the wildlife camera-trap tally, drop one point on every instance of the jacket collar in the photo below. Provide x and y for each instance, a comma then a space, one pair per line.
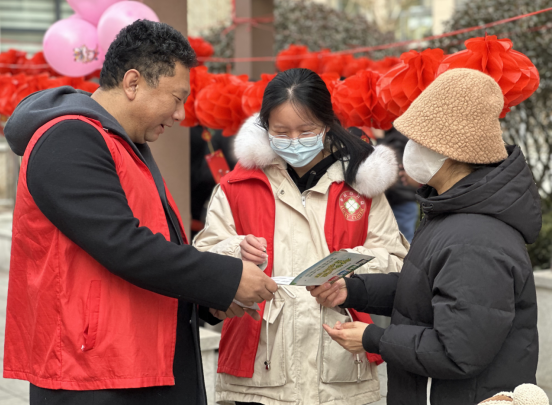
375, 175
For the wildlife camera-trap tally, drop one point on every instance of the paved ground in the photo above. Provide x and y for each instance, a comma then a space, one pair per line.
12, 392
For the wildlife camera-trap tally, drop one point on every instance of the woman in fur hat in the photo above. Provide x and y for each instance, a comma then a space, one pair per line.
463, 309
303, 187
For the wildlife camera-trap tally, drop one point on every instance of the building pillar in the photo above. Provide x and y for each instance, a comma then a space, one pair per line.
172, 150
251, 40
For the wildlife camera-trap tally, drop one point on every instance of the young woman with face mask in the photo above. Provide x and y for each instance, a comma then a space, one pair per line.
303, 187
463, 308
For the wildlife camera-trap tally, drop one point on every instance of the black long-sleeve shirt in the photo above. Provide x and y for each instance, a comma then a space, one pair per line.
73, 180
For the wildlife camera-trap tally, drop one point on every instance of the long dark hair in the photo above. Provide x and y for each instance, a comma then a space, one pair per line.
306, 90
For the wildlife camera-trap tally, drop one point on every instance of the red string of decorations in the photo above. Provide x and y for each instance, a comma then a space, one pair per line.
384, 46
219, 105
356, 104
403, 83
253, 95
513, 71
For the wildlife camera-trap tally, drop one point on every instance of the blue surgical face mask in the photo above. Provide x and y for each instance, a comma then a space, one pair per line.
298, 155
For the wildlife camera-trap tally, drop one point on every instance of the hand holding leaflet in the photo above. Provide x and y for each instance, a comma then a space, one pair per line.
332, 268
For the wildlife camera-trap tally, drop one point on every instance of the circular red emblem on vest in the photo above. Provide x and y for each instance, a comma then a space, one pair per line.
352, 205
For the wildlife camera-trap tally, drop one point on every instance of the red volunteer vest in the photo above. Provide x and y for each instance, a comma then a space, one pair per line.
252, 203
70, 323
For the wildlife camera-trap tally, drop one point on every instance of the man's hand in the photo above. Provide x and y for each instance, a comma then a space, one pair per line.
349, 335
233, 311
254, 249
330, 295
255, 285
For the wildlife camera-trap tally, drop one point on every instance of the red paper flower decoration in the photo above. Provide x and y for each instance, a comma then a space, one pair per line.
382, 66
219, 105
403, 83
356, 105
315, 60
513, 71
13, 89
331, 80
286, 59
253, 95
199, 79
335, 63
201, 47
11, 57
355, 65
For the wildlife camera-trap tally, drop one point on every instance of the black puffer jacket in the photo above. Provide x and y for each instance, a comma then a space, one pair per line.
464, 305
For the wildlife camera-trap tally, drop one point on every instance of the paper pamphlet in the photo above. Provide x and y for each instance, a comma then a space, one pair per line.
332, 268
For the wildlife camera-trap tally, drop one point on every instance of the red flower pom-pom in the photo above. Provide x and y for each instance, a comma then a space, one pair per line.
355, 65
199, 79
219, 105
356, 105
288, 58
513, 71
253, 95
10, 59
201, 47
403, 83
315, 60
331, 80
335, 63
382, 66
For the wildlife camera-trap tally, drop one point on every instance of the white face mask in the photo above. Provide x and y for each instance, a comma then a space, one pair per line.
421, 163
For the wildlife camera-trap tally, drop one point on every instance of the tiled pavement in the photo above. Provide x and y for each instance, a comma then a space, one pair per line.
12, 392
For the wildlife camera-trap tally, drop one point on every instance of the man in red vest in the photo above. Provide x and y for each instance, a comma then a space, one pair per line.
105, 294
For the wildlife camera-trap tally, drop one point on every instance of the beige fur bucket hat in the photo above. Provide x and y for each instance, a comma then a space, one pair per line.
458, 117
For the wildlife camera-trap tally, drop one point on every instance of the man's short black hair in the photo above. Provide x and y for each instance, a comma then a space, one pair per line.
153, 48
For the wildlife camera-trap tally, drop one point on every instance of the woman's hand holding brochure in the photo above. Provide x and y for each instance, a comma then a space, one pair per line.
330, 295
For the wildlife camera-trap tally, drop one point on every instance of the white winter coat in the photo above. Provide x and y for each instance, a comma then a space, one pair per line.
307, 366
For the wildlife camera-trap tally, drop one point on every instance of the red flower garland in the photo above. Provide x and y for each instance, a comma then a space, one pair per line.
253, 95
199, 79
403, 83
355, 65
356, 104
219, 105
331, 80
513, 71
335, 63
13, 89
314, 60
201, 47
284, 63
382, 66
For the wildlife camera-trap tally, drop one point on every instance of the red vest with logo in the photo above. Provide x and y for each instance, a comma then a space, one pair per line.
252, 203
70, 323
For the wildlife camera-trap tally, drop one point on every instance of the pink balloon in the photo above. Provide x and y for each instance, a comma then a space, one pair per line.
71, 46
91, 10
119, 16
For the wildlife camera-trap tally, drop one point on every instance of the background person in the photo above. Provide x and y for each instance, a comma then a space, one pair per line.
289, 202
103, 289
463, 307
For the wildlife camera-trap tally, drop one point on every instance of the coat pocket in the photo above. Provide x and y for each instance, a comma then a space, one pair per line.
269, 368
91, 315
339, 365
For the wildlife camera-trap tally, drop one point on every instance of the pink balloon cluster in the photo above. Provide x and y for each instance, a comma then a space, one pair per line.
76, 46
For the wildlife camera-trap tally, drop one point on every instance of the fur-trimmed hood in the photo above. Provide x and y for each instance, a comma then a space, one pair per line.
375, 175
